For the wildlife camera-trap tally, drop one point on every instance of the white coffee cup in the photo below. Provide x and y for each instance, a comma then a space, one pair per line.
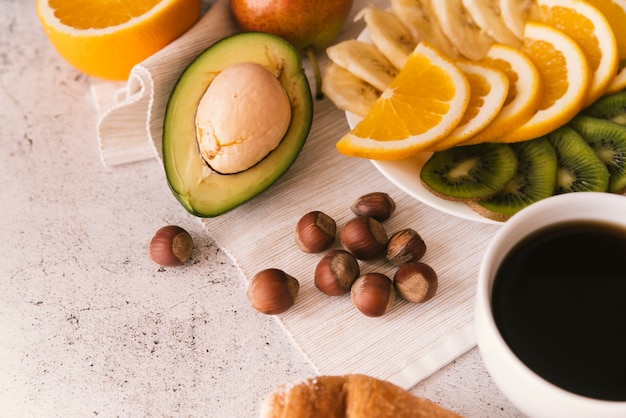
529, 392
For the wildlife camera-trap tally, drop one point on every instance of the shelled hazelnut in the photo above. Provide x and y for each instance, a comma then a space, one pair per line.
405, 246
272, 291
378, 205
336, 272
364, 237
416, 282
373, 294
315, 232
171, 246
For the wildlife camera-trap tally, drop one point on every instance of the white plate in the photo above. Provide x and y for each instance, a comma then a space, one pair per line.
405, 174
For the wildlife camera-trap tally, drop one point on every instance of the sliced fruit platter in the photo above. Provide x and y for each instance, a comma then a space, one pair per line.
487, 106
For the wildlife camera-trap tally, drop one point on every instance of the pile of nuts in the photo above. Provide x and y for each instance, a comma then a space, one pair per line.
272, 291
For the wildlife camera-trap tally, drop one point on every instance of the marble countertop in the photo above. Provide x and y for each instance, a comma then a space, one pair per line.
90, 326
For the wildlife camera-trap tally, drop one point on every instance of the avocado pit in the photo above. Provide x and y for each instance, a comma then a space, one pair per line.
242, 117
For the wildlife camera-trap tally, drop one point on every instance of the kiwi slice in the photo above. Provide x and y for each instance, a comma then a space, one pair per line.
469, 172
579, 167
534, 180
608, 140
611, 107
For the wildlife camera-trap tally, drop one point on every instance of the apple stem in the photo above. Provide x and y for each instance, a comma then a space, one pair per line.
319, 95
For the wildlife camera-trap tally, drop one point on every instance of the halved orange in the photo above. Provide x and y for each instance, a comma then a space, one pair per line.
489, 89
615, 13
523, 96
105, 40
565, 77
588, 26
423, 104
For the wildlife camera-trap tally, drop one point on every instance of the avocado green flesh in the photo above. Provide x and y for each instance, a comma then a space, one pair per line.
202, 191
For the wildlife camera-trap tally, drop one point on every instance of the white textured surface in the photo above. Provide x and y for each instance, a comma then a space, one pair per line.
89, 325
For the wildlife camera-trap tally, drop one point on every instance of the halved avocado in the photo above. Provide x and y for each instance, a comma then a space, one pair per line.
201, 190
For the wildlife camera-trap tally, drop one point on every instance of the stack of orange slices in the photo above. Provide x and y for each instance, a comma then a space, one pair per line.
568, 56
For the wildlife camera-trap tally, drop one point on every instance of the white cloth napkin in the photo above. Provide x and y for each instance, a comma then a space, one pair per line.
406, 345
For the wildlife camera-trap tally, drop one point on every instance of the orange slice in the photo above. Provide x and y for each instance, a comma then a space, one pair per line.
423, 104
523, 96
105, 40
564, 75
586, 25
615, 13
489, 88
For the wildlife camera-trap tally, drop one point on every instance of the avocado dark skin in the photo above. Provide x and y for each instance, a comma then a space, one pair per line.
201, 190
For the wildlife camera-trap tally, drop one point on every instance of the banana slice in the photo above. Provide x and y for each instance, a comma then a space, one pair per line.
347, 91
389, 34
515, 13
363, 60
488, 16
419, 18
471, 41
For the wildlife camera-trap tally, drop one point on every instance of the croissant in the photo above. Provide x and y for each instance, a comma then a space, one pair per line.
349, 396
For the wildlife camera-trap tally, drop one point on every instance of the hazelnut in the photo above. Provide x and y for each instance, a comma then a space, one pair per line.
272, 291
373, 294
416, 282
364, 237
171, 246
315, 232
405, 246
378, 205
336, 272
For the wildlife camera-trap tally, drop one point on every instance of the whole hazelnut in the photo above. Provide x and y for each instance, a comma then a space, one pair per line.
405, 246
364, 237
378, 205
171, 246
373, 294
336, 272
272, 291
315, 232
416, 282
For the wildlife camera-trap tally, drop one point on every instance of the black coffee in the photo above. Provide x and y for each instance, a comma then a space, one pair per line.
559, 300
